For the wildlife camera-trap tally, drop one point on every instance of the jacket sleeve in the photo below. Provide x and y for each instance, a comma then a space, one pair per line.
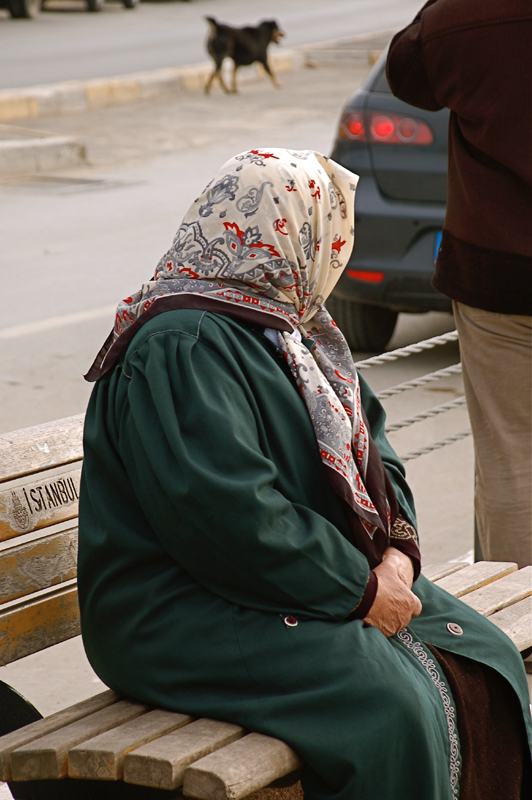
405, 67
403, 534
209, 491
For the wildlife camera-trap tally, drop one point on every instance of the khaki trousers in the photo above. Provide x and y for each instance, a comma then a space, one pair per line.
496, 352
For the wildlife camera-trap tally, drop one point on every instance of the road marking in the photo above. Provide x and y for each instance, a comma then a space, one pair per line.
58, 322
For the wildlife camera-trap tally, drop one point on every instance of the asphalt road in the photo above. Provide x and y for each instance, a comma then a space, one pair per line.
68, 43
75, 242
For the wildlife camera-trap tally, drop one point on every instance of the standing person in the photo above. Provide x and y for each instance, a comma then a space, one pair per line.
475, 57
247, 541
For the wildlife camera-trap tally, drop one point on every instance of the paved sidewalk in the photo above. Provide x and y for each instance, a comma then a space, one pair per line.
179, 122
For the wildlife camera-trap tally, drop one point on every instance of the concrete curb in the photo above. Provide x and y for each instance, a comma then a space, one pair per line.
39, 155
73, 96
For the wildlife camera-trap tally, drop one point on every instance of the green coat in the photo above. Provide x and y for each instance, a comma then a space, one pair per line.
205, 518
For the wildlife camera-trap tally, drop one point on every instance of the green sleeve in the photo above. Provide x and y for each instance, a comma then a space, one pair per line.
191, 440
377, 419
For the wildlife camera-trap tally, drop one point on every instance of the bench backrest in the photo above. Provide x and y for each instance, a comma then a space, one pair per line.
40, 471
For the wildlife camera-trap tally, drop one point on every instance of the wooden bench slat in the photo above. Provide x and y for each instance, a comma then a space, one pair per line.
435, 572
502, 593
47, 757
161, 764
103, 757
34, 625
31, 567
22, 736
243, 767
40, 447
37, 504
516, 622
475, 576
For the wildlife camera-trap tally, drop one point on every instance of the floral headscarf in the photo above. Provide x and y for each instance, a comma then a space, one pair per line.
272, 233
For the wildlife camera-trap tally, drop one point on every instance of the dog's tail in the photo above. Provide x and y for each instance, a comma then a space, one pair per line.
213, 25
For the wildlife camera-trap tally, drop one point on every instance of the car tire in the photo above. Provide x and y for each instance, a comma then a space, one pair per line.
130, 3
24, 9
95, 5
366, 328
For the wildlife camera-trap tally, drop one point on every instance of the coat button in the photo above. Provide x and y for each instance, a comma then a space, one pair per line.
290, 622
453, 627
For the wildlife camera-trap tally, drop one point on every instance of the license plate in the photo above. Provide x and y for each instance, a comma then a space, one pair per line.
437, 244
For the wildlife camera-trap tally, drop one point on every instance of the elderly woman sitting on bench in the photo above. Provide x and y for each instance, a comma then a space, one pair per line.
248, 548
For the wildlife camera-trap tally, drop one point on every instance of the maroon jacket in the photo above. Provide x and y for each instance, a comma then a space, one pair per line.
475, 57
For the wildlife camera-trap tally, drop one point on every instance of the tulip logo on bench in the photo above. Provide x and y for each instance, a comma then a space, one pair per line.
37, 505
20, 515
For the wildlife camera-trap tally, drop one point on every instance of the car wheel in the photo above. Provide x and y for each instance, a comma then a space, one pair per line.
24, 9
130, 3
95, 5
366, 328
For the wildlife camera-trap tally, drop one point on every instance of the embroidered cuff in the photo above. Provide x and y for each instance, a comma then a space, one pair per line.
363, 606
403, 536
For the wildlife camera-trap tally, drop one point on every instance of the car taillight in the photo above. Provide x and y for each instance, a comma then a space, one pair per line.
383, 128
352, 127
366, 275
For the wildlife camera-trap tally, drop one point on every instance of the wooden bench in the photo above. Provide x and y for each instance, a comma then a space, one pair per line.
109, 738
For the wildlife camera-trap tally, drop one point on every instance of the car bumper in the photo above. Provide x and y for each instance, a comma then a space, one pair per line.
397, 240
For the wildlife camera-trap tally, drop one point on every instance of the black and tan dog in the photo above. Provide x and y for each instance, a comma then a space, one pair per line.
243, 45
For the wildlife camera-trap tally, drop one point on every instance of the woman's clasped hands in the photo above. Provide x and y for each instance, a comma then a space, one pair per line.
395, 604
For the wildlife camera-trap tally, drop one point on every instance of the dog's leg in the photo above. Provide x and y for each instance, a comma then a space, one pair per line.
270, 73
210, 81
233, 88
217, 73
223, 84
